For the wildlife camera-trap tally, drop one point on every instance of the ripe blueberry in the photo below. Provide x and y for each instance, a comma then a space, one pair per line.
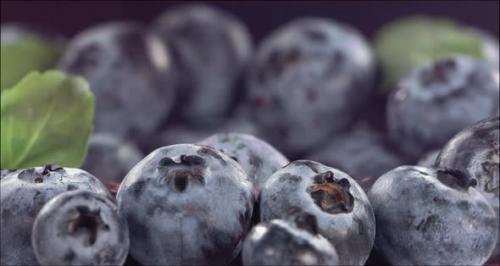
186, 204
308, 80
436, 101
340, 205
432, 217
23, 194
80, 228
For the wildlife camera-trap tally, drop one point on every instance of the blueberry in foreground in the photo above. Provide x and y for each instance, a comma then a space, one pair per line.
362, 153
308, 80
23, 194
186, 205
436, 101
432, 217
211, 49
259, 159
340, 205
110, 157
5, 172
80, 228
130, 73
294, 241
476, 152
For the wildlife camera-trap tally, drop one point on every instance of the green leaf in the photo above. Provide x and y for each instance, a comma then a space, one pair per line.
46, 118
22, 56
407, 43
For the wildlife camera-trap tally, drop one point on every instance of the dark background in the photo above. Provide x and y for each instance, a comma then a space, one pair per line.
261, 17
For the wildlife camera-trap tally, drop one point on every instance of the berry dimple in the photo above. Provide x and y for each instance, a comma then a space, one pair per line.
331, 195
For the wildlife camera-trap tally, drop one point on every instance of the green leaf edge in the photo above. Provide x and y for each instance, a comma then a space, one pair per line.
83, 88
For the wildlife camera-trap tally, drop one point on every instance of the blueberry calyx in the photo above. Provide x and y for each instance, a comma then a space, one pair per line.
439, 72
331, 195
280, 60
86, 220
51, 168
455, 178
180, 173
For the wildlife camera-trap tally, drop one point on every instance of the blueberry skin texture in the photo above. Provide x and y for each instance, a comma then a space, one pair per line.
351, 232
23, 194
129, 71
436, 101
362, 153
211, 49
80, 228
279, 242
423, 221
110, 157
186, 205
308, 80
5, 172
259, 159
476, 151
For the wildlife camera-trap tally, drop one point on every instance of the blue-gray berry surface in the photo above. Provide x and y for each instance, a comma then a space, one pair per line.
435, 101
131, 74
432, 217
340, 205
259, 159
23, 194
5, 172
308, 79
186, 205
294, 241
80, 228
476, 151
211, 49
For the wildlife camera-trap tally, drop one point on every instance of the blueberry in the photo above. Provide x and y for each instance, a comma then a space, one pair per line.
436, 101
476, 152
186, 204
80, 228
259, 159
131, 74
428, 159
361, 152
294, 241
211, 49
308, 80
5, 172
341, 207
432, 217
23, 194
110, 158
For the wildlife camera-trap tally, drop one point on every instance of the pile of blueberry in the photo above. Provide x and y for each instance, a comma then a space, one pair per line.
277, 155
